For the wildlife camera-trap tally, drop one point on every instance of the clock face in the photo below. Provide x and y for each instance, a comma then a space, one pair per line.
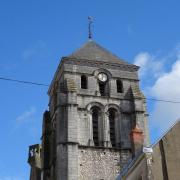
102, 77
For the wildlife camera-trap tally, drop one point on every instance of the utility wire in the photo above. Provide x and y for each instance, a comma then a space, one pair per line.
41, 84
162, 100
24, 82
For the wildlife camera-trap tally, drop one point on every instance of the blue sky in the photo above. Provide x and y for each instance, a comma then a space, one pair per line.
34, 35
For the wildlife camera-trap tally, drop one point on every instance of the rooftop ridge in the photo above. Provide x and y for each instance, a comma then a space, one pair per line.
165, 132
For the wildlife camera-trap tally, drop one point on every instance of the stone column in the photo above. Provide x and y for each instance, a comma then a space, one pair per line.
106, 131
146, 129
118, 129
100, 128
72, 136
90, 129
142, 118
113, 89
67, 147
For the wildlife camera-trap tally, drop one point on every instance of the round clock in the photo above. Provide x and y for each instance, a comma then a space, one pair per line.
102, 77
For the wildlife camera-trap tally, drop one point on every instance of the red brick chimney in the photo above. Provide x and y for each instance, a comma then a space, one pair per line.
137, 139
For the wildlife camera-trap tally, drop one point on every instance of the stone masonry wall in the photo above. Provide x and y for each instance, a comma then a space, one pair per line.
100, 163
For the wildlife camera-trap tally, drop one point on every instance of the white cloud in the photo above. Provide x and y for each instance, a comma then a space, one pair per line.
167, 87
160, 77
26, 115
150, 65
141, 60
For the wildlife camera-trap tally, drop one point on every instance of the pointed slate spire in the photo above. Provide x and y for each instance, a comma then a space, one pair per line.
93, 51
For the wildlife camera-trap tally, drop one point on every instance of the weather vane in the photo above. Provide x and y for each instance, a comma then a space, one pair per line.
90, 19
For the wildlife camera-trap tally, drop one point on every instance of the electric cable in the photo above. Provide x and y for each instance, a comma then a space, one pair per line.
46, 85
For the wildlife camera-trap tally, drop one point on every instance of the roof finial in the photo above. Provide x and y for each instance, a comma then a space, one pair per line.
90, 19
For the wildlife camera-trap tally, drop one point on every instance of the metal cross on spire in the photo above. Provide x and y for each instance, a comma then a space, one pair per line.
90, 19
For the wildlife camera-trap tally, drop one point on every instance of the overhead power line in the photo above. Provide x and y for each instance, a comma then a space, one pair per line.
46, 85
162, 100
24, 82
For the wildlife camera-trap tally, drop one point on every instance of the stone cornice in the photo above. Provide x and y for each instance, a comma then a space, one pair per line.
101, 64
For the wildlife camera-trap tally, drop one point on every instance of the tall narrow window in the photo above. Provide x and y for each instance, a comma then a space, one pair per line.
83, 82
119, 86
95, 117
102, 89
112, 115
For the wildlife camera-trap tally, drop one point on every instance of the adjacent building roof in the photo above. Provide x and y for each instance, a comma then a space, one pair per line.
93, 51
165, 162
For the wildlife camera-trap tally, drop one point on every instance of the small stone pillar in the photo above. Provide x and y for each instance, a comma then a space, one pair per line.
137, 139
106, 131
34, 160
90, 127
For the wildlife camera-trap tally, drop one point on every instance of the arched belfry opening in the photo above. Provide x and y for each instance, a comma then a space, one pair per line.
102, 89
112, 117
119, 85
84, 82
96, 113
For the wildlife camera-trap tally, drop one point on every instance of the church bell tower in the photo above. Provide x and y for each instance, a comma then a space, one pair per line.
97, 117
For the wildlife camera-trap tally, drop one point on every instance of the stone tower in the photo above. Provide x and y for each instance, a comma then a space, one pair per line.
97, 117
